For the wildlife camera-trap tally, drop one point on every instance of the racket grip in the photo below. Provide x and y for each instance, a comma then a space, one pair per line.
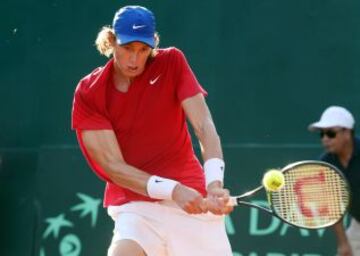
232, 201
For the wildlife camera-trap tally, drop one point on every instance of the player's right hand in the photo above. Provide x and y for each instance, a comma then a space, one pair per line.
217, 199
189, 199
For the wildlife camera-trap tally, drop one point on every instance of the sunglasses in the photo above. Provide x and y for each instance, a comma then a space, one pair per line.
329, 133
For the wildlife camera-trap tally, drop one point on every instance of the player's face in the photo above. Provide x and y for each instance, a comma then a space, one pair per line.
334, 139
130, 59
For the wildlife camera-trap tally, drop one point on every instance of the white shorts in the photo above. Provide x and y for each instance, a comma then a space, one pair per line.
353, 234
163, 229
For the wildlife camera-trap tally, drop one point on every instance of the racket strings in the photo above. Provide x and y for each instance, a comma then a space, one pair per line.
313, 196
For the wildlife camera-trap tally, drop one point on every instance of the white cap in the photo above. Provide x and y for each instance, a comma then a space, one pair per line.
334, 116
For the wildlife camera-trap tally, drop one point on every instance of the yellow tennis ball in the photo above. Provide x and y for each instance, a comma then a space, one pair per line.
273, 180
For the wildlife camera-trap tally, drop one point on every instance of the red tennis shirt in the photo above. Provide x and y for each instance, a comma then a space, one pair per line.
148, 120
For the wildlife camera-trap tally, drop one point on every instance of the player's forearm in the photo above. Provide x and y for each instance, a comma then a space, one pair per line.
136, 180
209, 140
203, 125
127, 176
103, 148
200, 118
212, 156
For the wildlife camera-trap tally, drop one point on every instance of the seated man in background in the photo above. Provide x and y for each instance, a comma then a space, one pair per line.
342, 149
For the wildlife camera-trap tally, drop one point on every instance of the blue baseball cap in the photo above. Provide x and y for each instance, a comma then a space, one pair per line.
134, 23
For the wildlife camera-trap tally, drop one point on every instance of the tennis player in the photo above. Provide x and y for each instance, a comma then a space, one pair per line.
336, 127
130, 120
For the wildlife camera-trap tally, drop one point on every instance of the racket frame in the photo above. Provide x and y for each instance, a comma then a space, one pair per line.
238, 200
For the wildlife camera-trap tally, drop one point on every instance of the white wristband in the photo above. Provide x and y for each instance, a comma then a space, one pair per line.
160, 188
214, 170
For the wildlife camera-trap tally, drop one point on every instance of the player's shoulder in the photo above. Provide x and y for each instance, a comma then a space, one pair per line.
87, 80
93, 79
169, 52
169, 58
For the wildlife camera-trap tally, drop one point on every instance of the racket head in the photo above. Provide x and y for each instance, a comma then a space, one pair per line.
315, 195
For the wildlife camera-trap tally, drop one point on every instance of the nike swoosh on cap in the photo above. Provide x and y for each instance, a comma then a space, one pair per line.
138, 26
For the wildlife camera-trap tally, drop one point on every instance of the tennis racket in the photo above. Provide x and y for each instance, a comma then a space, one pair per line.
315, 195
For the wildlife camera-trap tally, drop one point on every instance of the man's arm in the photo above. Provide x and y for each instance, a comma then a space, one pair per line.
200, 118
344, 248
103, 148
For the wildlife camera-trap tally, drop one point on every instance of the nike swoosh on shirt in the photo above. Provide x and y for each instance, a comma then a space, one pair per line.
157, 181
153, 81
138, 26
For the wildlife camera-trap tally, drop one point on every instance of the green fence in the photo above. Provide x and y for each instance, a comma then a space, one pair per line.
270, 68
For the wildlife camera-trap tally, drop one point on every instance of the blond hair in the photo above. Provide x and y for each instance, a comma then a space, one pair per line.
106, 39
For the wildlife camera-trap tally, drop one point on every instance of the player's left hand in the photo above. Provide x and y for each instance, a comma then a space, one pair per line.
217, 199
